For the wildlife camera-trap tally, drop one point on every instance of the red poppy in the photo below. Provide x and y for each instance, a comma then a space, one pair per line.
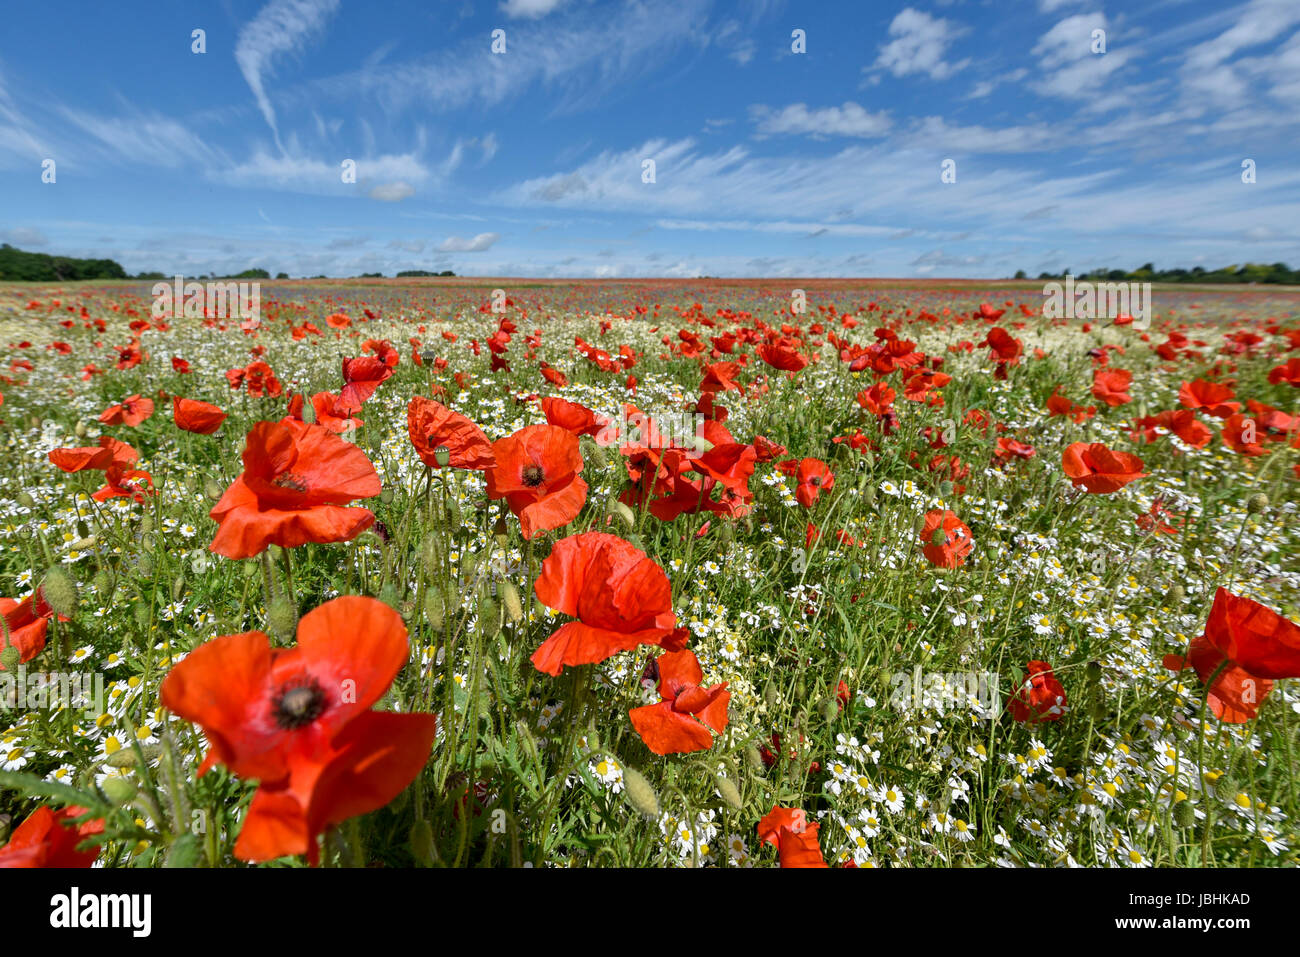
331, 414
26, 622
432, 425
1210, 396
1111, 386
1040, 696
878, 400
1253, 644
782, 356
361, 377
108, 452
1099, 470
298, 721
130, 411
954, 541
813, 477
258, 705
50, 838
536, 472
1288, 372
576, 418
794, 837
192, 415
296, 481
122, 482
670, 727
1242, 434
620, 597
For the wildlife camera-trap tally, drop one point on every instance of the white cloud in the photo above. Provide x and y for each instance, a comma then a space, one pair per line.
392, 192
919, 44
481, 242
529, 9
1069, 69
282, 26
847, 120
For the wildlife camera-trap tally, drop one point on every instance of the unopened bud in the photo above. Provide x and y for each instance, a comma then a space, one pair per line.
1184, 813
282, 618
730, 793
433, 608
212, 488
623, 513
119, 789
60, 592
1257, 503
10, 658
421, 840
640, 794
511, 601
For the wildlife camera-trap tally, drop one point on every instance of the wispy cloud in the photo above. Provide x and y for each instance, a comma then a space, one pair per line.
281, 27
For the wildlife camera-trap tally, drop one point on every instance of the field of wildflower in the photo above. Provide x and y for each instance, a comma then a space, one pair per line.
655, 574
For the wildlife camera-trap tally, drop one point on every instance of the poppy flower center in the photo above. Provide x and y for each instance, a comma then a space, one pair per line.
291, 480
532, 475
297, 705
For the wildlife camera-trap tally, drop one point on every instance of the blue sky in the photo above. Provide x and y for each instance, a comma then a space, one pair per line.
767, 162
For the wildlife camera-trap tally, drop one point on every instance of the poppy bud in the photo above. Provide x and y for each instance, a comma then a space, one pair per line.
421, 840
80, 429
730, 793
250, 569
60, 592
1093, 672
146, 523
386, 495
10, 658
622, 512
939, 538
212, 488
389, 595
126, 758
442, 455
592, 452
433, 610
83, 530
103, 582
309, 413
1184, 813
501, 529
640, 794
178, 587
1100, 711
145, 566
513, 604
489, 616
1177, 594
1257, 503
25, 500
429, 550
830, 710
454, 513
754, 759
5, 821
1225, 786
771, 697
945, 489
282, 618
118, 789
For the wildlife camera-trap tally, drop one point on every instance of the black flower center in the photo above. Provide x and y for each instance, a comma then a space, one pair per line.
532, 475
291, 480
298, 704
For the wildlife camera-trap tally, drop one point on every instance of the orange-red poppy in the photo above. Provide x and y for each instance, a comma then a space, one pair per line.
1099, 470
130, 411
1248, 646
432, 425
536, 472
1040, 697
49, 838
948, 548
793, 835
671, 726
296, 481
192, 415
620, 597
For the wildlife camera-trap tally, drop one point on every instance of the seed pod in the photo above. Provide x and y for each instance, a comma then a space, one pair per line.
60, 591
489, 616
771, 696
433, 608
442, 455
282, 618
1184, 813
118, 789
421, 841
624, 514
511, 601
730, 793
640, 794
